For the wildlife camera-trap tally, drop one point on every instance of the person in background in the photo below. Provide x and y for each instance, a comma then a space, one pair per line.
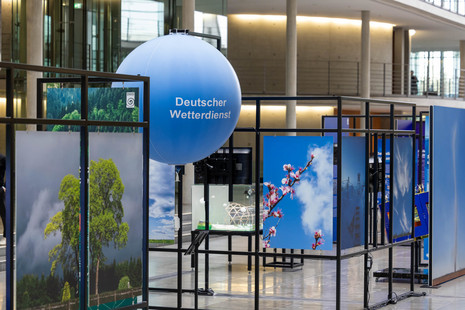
413, 83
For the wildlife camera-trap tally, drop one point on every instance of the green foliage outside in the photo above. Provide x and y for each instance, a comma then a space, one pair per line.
107, 104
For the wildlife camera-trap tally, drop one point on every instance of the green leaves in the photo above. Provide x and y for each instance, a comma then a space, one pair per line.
106, 214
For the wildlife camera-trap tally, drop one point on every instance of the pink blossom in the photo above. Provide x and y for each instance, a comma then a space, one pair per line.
292, 193
288, 167
265, 213
266, 243
285, 189
313, 156
272, 231
313, 246
285, 181
267, 184
279, 213
318, 234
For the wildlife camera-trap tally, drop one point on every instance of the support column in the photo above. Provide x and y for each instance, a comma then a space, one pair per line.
398, 70
188, 9
365, 78
291, 62
462, 70
366, 55
407, 50
34, 50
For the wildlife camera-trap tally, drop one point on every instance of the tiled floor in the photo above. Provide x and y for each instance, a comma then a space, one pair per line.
310, 287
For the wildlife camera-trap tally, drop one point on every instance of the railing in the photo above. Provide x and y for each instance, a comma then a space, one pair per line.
454, 6
342, 78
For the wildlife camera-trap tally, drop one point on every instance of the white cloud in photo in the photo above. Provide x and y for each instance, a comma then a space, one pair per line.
161, 189
403, 185
162, 233
315, 192
31, 243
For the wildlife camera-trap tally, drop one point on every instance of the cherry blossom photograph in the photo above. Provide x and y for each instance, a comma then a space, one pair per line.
298, 192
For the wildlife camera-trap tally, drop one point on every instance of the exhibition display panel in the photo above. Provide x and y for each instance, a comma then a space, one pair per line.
447, 256
302, 195
77, 199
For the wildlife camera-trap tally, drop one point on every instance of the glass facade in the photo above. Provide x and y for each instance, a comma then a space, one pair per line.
98, 34
437, 72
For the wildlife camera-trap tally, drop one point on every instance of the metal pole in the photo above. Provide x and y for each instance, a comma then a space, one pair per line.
375, 189
420, 151
391, 202
196, 278
383, 189
10, 179
84, 199
180, 173
84, 36
412, 246
146, 155
339, 209
367, 204
231, 168
431, 205
206, 195
257, 205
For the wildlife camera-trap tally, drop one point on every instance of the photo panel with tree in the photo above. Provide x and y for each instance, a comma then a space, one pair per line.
298, 192
47, 248
120, 104
115, 219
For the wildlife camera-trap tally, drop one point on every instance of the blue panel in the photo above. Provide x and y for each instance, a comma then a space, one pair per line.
330, 122
353, 192
427, 147
448, 190
294, 211
402, 187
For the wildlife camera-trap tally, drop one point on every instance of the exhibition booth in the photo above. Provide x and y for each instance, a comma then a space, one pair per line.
97, 174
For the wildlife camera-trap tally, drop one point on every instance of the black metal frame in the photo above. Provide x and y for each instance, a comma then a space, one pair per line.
368, 132
11, 121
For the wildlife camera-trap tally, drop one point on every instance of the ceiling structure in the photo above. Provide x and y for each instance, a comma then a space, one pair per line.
436, 29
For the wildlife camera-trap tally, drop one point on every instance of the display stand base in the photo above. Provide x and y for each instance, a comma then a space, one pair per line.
285, 265
206, 292
402, 273
395, 300
430, 286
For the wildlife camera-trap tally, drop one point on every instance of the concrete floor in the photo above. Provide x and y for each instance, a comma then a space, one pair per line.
309, 287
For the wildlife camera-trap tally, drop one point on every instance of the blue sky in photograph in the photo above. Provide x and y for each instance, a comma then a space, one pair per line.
402, 186
353, 192
312, 206
448, 142
161, 200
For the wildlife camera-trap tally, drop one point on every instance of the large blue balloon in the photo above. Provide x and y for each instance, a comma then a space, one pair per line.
195, 97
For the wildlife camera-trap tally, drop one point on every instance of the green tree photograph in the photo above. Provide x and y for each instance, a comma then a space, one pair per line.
48, 267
